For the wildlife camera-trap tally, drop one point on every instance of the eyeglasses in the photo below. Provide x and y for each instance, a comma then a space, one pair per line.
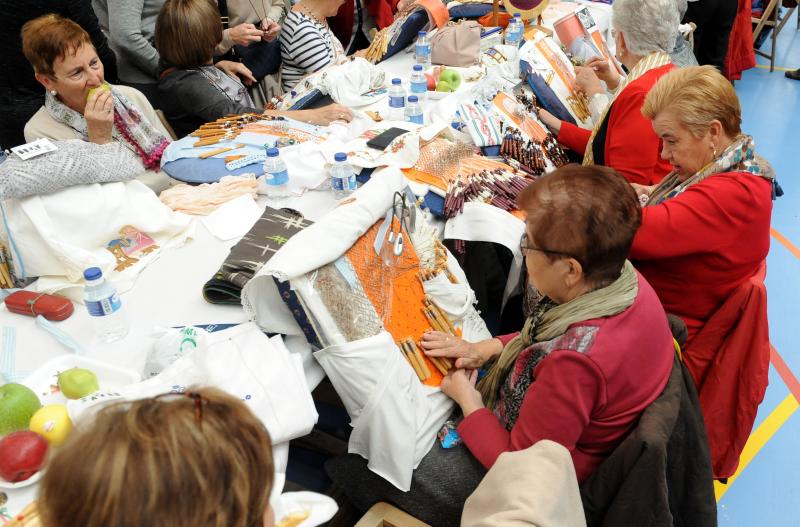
525, 245
198, 398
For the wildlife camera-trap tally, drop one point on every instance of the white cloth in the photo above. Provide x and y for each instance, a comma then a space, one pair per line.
480, 222
243, 362
535, 487
314, 247
353, 83
395, 418
233, 219
119, 227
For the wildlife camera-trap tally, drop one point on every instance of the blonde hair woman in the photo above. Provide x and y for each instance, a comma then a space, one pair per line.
199, 458
705, 228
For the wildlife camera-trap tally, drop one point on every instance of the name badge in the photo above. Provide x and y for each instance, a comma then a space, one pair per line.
36, 148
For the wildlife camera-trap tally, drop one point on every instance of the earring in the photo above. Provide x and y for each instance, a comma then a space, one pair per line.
53, 93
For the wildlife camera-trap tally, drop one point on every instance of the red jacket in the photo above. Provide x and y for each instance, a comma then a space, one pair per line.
381, 11
586, 401
729, 361
632, 148
740, 55
698, 247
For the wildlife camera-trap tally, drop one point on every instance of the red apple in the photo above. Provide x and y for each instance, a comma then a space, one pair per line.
22, 454
431, 82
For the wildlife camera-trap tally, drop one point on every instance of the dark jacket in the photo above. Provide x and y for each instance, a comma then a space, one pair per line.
661, 473
188, 100
21, 95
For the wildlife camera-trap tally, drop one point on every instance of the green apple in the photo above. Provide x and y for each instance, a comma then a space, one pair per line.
77, 382
17, 404
451, 77
52, 422
105, 86
443, 86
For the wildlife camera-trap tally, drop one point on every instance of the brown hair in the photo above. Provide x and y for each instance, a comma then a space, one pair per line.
696, 95
169, 461
588, 212
187, 32
49, 38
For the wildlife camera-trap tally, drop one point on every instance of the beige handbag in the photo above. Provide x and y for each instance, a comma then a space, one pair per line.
457, 44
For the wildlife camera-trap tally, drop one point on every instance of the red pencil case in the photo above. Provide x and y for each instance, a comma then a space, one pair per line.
31, 303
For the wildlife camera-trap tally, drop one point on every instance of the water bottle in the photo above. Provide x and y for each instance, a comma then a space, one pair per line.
414, 111
520, 27
104, 305
419, 83
423, 49
397, 101
343, 179
514, 31
276, 176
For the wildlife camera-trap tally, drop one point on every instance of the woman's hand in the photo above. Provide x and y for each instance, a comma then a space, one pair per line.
587, 81
604, 71
360, 53
245, 34
402, 4
459, 385
466, 354
237, 69
99, 115
643, 190
325, 115
550, 121
270, 29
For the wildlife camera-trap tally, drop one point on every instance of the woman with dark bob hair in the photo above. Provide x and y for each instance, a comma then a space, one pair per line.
193, 90
595, 352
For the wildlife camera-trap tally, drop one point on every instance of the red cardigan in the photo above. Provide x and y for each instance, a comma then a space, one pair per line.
587, 402
699, 246
632, 148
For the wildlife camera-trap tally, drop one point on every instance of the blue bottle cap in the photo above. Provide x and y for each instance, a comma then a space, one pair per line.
340, 156
517, 15
417, 67
422, 33
92, 273
272, 152
396, 81
412, 98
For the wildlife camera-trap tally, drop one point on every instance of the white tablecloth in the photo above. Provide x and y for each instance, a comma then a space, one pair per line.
169, 292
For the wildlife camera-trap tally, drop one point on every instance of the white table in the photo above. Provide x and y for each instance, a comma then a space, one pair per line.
168, 292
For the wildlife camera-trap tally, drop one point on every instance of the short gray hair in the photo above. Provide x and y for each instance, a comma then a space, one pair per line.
648, 25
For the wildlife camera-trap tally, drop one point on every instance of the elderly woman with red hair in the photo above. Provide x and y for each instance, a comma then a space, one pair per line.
594, 353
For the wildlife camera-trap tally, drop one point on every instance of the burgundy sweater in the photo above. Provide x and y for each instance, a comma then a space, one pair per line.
586, 400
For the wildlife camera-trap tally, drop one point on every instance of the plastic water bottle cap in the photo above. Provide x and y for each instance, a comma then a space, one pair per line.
272, 152
396, 82
517, 15
417, 67
412, 98
422, 33
293, 93
92, 273
340, 156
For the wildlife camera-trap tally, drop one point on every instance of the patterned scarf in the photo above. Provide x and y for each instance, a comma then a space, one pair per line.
740, 156
649, 62
550, 320
130, 127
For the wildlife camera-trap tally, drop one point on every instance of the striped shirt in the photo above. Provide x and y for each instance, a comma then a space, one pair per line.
306, 47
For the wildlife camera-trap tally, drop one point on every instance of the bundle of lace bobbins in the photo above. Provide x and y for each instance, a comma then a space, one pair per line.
226, 128
530, 155
499, 187
380, 42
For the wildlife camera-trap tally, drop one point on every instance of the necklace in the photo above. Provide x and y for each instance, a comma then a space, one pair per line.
303, 8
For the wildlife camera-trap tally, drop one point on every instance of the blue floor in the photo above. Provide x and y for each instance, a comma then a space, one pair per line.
767, 491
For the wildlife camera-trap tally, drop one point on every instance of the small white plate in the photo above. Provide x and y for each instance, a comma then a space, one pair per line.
44, 380
24, 483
